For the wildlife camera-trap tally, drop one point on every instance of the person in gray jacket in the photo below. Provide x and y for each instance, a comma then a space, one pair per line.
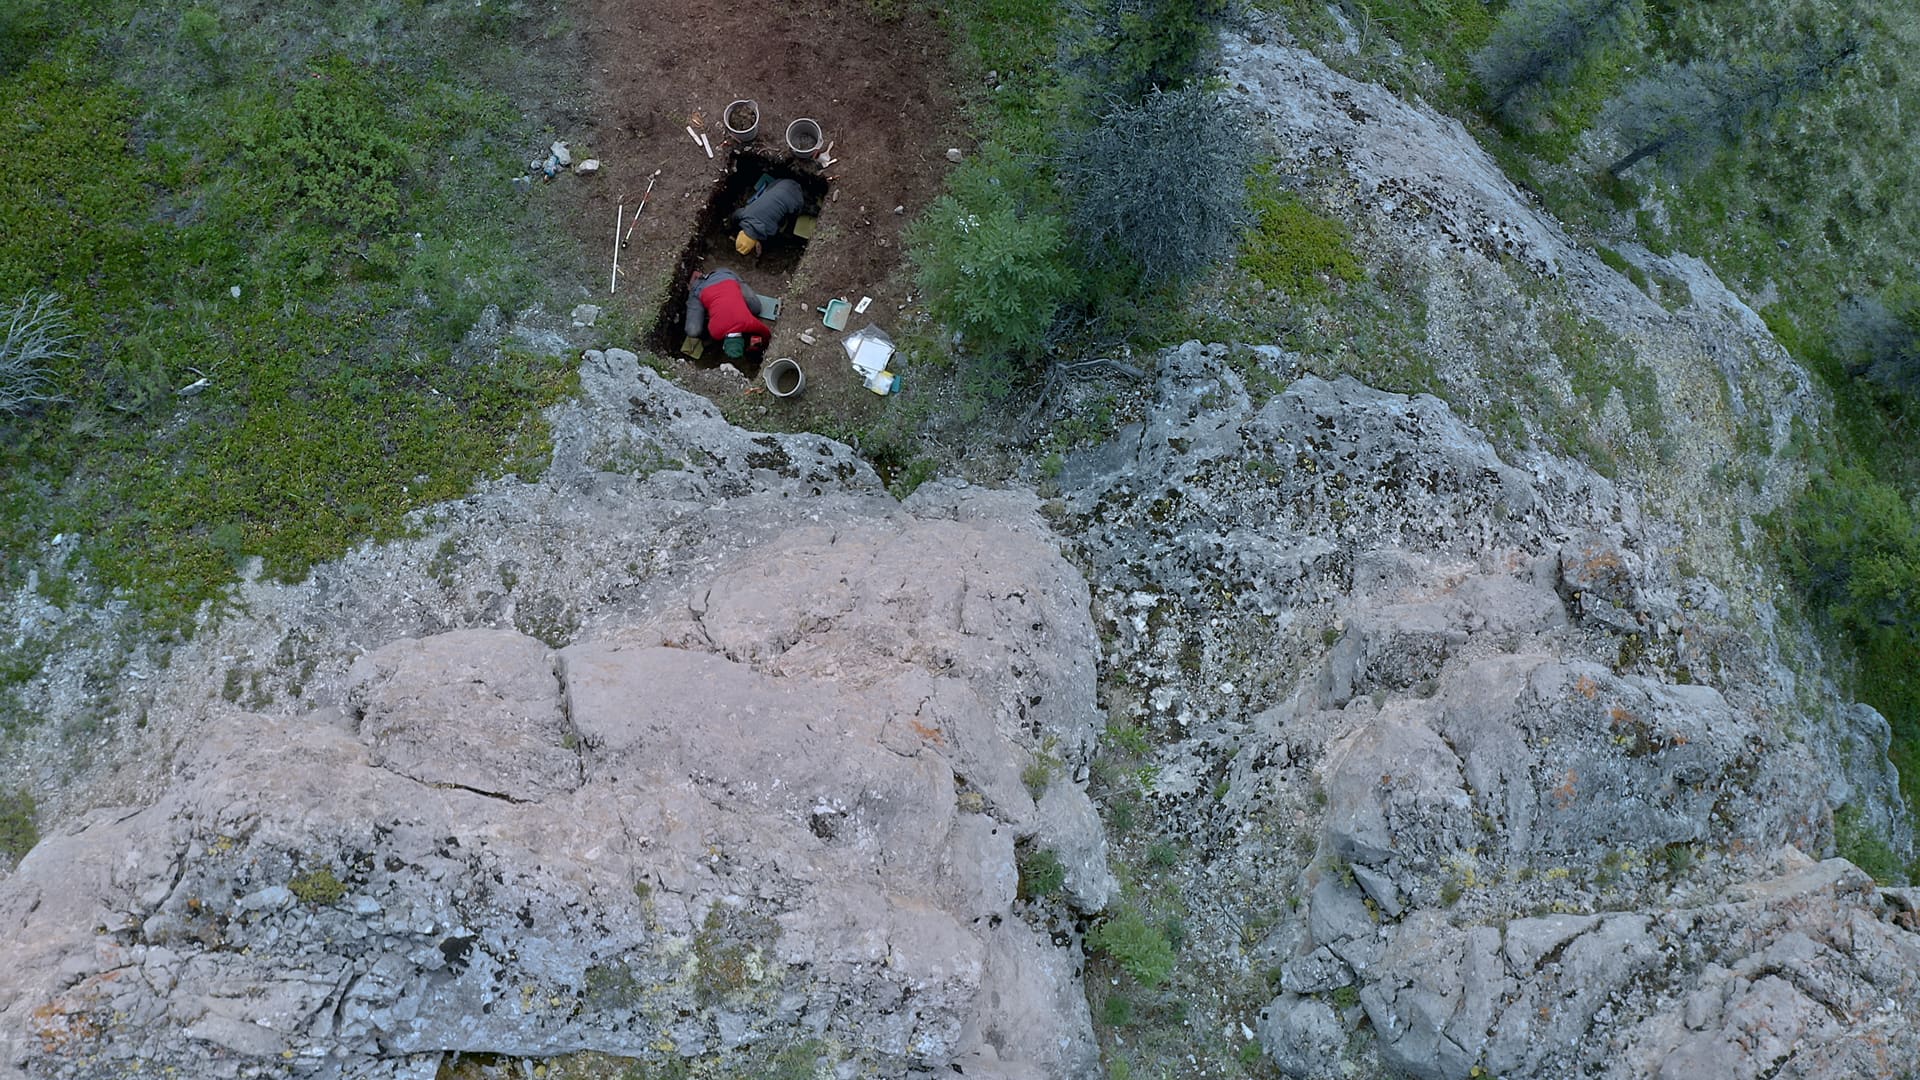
767, 214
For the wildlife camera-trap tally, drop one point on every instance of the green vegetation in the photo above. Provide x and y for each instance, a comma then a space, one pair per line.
997, 275
1852, 544
18, 833
318, 887
1144, 183
1863, 847
1041, 874
1783, 131
1543, 43
767, 1061
1140, 949
1289, 246
265, 251
1078, 217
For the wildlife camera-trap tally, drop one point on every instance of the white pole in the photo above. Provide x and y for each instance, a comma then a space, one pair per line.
619, 215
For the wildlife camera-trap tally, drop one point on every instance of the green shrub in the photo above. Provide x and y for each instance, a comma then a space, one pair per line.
1162, 183
1041, 874
1147, 45
1855, 548
1852, 545
1879, 336
1140, 949
994, 274
24, 25
1290, 247
1542, 42
331, 162
18, 832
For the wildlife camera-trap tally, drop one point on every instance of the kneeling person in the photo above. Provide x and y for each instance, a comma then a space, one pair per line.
767, 214
719, 304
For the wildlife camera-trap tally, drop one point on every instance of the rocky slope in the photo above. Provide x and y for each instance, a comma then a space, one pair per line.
1510, 795
1457, 757
766, 798
1504, 758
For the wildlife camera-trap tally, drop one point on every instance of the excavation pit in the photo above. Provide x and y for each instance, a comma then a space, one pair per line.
712, 248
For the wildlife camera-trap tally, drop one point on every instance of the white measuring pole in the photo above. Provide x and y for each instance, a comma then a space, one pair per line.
619, 214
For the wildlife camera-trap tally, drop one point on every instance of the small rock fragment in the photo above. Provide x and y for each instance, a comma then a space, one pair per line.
585, 314
561, 154
954, 155
588, 167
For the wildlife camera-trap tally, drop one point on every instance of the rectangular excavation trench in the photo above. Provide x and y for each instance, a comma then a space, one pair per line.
711, 248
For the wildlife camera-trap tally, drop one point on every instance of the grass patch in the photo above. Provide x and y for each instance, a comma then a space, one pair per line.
1859, 844
1041, 874
1290, 247
301, 236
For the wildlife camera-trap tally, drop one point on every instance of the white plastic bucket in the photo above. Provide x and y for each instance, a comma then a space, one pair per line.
743, 134
784, 378
803, 136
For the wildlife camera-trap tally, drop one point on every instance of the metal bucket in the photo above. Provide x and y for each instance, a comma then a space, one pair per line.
748, 133
803, 137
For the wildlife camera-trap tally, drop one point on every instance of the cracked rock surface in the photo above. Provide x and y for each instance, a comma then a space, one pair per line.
765, 797
1508, 792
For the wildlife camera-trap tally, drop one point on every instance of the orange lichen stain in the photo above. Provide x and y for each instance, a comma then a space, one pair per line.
1563, 795
62, 1032
1620, 716
1587, 688
932, 734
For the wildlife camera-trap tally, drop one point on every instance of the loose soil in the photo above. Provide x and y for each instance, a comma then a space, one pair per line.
882, 92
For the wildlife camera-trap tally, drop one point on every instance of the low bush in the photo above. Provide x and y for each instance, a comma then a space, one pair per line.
1855, 841
34, 331
996, 275
1852, 545
1141, 46
1141, 950
18, 831
1160, 183
1879, 337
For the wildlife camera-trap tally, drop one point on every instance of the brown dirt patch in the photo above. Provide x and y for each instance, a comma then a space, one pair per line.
882, 92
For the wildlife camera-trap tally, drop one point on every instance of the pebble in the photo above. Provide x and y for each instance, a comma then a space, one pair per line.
954, 155
588, 167
561, 154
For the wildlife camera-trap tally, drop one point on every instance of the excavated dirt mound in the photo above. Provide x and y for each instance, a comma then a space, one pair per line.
882, 92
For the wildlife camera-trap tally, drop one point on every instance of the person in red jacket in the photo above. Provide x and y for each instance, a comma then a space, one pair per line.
722, 306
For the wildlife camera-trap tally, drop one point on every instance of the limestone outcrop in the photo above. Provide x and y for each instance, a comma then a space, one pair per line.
774, 809
1518, 797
